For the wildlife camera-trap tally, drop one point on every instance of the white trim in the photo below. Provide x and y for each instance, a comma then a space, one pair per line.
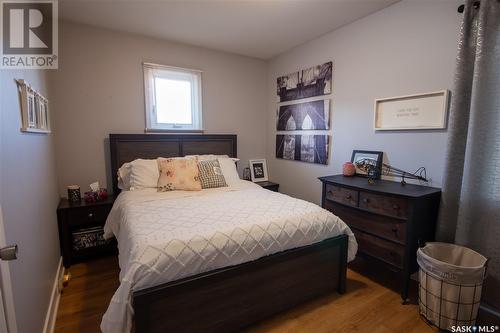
3, 318
176, 131
5, 280
50, 318
154, 66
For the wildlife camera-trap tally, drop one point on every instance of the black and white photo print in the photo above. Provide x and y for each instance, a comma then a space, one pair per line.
304, 116
305, 148
309, 82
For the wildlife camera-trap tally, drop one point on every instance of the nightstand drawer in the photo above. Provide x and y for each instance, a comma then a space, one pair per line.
381, 249
88, 214
385, 205
342, 195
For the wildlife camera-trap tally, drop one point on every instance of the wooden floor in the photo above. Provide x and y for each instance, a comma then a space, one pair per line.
369, 305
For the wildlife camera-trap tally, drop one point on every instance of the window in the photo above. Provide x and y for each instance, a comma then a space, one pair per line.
173, 98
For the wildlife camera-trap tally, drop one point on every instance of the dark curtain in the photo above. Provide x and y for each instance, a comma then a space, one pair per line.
470, 207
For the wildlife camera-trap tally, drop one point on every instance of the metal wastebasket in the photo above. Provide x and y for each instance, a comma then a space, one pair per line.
450, 283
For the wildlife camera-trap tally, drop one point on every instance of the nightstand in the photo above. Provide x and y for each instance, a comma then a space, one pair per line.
80, 230
269, 186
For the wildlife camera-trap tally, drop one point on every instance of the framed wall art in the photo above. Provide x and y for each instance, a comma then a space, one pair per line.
413, 112
34, 109
309, 82
306, 148
313, 115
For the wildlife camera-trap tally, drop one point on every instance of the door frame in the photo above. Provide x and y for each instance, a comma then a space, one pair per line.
7, 310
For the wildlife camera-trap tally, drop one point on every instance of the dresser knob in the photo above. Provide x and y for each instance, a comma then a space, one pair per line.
395, 207
395, 230
91, 215
348, 196
366, 200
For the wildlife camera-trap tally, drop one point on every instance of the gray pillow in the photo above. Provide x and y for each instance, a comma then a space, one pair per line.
211, 174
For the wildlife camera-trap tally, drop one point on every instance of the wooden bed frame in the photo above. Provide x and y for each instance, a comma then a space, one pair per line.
230, 298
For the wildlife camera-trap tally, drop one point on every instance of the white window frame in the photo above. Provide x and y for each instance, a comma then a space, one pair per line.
152, 71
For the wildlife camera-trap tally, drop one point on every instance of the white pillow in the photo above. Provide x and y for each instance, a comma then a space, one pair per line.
123, 175
229, 171
144, 174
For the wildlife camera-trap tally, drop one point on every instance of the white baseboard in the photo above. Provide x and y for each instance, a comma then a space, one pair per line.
50, 318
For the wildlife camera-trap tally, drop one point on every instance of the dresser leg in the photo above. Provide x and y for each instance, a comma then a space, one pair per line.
406, 285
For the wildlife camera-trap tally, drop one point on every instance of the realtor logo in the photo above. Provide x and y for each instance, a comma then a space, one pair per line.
29, 34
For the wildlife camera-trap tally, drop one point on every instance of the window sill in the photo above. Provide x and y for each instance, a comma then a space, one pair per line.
171, 130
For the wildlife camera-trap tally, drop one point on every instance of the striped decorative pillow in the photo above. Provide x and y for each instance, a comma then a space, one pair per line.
211, 174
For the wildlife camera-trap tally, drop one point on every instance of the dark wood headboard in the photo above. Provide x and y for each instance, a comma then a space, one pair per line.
128, 147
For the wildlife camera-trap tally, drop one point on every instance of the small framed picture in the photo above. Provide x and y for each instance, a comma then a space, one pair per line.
258, 170
363, 159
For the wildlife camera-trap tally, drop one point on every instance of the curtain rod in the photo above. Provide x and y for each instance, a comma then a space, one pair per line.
476, 5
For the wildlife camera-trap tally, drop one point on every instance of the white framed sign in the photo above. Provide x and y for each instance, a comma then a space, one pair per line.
412, 112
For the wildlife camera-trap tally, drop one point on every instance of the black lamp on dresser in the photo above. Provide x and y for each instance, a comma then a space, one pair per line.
388, 219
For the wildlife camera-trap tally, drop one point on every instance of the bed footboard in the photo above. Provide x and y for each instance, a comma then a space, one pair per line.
229, 299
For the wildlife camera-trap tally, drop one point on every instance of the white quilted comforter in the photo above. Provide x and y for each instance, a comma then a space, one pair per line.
166, 236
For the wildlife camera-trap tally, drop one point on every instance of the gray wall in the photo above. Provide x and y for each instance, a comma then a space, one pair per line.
28, 196
98, 90
407, 48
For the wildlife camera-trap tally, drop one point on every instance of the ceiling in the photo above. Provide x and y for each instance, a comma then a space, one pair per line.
258, 28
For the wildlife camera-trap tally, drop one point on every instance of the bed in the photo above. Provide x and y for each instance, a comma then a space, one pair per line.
215, 260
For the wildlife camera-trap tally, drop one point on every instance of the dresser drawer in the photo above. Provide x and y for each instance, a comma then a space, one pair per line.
385, 205
385, 227
88, 214
381, 249
342, 195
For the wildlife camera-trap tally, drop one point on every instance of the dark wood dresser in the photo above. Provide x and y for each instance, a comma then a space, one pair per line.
389, 220
80, 225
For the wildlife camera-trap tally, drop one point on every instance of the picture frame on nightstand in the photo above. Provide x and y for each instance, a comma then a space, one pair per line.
258, 170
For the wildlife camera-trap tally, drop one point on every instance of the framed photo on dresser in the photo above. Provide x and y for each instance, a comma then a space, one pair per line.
363, 158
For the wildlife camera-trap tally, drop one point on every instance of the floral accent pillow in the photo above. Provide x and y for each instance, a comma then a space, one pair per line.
178, 173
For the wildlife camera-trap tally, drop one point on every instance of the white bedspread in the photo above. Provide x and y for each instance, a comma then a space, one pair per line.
166, 236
